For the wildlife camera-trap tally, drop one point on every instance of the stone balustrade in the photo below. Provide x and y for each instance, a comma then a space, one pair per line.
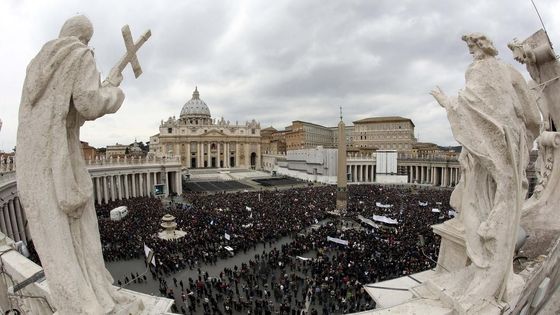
35, 297
113, 179
7, 163
7, 177
133, 161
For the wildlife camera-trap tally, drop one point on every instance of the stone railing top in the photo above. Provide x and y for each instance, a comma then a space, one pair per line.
6, 177
428, 157
7, 163
8, 170
132, 161
360, 157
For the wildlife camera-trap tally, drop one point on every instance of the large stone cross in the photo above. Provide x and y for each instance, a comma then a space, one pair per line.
131, 49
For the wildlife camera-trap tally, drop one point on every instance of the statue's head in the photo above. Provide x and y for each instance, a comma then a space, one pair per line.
480, 46
78, 26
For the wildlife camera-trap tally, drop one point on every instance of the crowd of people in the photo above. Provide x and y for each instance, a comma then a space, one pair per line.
248, 219
308, 273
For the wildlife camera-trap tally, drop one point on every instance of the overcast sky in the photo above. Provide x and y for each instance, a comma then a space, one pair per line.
273, 61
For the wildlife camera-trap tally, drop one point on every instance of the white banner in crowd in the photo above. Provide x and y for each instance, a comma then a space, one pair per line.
368, 221
452, 213
147, 251
380, 205
337, 240
303, 258
436, 210
384, 219
226, 236
248, 208
247, 225
422, 203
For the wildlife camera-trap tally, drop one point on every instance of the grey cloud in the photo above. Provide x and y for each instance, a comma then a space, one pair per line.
276, 61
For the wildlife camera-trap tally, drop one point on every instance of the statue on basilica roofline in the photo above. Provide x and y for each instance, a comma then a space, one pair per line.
495, 118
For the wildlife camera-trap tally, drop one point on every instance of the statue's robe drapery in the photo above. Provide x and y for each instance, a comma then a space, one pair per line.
494, 102
61, 90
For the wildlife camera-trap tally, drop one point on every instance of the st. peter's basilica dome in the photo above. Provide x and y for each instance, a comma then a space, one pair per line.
195, 108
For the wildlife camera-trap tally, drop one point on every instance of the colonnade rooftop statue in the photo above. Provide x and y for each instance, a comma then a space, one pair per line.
496, 120
62, 90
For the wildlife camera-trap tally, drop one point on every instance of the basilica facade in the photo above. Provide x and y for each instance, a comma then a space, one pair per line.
204, 142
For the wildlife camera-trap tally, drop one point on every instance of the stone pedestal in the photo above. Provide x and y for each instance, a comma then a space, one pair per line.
452, 251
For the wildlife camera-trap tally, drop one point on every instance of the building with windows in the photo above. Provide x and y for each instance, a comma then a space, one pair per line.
89, 152
115, 150
306, 135
384, 133
273, 141
365, 136
349, 132
204, 142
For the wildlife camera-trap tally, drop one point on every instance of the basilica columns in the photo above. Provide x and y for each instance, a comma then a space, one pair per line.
258, 166
126, 189
3, 221
98, 190
247, 156
6, 214
13, 220
105, 190
442, 175
218, 159
209, 156
188, 157
112, 183
119, 187
237, 154
226, 155
201, 155
19, 220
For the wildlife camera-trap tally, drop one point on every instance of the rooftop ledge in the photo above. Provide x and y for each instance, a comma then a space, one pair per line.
35, 298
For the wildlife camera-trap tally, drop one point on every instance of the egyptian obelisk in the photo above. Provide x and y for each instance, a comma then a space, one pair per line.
341, 182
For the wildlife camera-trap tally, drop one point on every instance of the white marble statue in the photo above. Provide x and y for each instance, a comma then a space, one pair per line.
541, 210
495, 119
62, 90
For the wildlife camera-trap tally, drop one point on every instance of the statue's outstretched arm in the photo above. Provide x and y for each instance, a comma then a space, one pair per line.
91, 99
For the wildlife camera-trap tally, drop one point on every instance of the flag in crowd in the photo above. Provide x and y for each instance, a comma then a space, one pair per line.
147, 252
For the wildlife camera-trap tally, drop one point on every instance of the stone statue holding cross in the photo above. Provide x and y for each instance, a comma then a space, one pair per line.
62, 90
